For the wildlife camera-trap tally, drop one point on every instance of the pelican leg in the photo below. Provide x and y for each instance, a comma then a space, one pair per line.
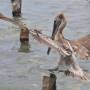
61, 67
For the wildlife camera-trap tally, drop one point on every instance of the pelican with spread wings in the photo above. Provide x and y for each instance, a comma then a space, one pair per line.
67, 48
80, 47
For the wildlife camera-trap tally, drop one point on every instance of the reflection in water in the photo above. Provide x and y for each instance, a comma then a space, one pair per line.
22, 70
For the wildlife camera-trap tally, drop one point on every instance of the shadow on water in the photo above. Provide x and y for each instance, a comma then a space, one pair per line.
22, 71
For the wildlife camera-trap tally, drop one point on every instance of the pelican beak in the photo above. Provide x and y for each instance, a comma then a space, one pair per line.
56, 25
53, 35
55, 29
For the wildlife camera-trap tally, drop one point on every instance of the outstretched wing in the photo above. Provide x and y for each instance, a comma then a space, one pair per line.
82, 46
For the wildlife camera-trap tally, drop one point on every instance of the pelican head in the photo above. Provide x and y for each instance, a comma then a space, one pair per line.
57, 26
57, 21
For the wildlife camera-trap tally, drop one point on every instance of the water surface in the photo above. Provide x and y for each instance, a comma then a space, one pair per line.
23, 71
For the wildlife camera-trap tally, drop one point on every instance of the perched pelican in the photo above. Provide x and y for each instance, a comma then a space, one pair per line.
80, 47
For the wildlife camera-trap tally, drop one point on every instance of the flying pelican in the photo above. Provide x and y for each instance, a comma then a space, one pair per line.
80, 47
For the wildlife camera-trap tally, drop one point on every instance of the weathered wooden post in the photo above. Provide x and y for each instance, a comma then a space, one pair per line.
49, 82
16, 8
24, 40
24, 33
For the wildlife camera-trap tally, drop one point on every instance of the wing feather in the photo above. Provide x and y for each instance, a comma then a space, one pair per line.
85, 41
82, 46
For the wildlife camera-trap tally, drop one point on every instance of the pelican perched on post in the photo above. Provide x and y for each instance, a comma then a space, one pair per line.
67, 48
80, 46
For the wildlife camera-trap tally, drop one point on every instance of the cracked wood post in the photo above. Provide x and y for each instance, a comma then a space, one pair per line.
16, 7
49, 82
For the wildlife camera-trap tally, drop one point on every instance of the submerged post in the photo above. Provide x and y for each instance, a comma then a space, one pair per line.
49, 82
24, 40
24, 33
16, 8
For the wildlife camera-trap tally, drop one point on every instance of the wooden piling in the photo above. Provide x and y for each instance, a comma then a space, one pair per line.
49, 82
24, 33
24, 40
16, 7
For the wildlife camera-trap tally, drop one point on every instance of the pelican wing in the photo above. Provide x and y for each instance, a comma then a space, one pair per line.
82, 46
48, 41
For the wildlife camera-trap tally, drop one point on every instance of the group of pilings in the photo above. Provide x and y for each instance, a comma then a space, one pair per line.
24, 33
16, 7
49, 80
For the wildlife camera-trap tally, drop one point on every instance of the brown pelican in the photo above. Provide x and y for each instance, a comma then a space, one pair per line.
66, 48
80, 46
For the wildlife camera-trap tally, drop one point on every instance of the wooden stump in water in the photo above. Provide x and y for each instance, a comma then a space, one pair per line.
16, 8
49, 82
24, 40
24, 34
